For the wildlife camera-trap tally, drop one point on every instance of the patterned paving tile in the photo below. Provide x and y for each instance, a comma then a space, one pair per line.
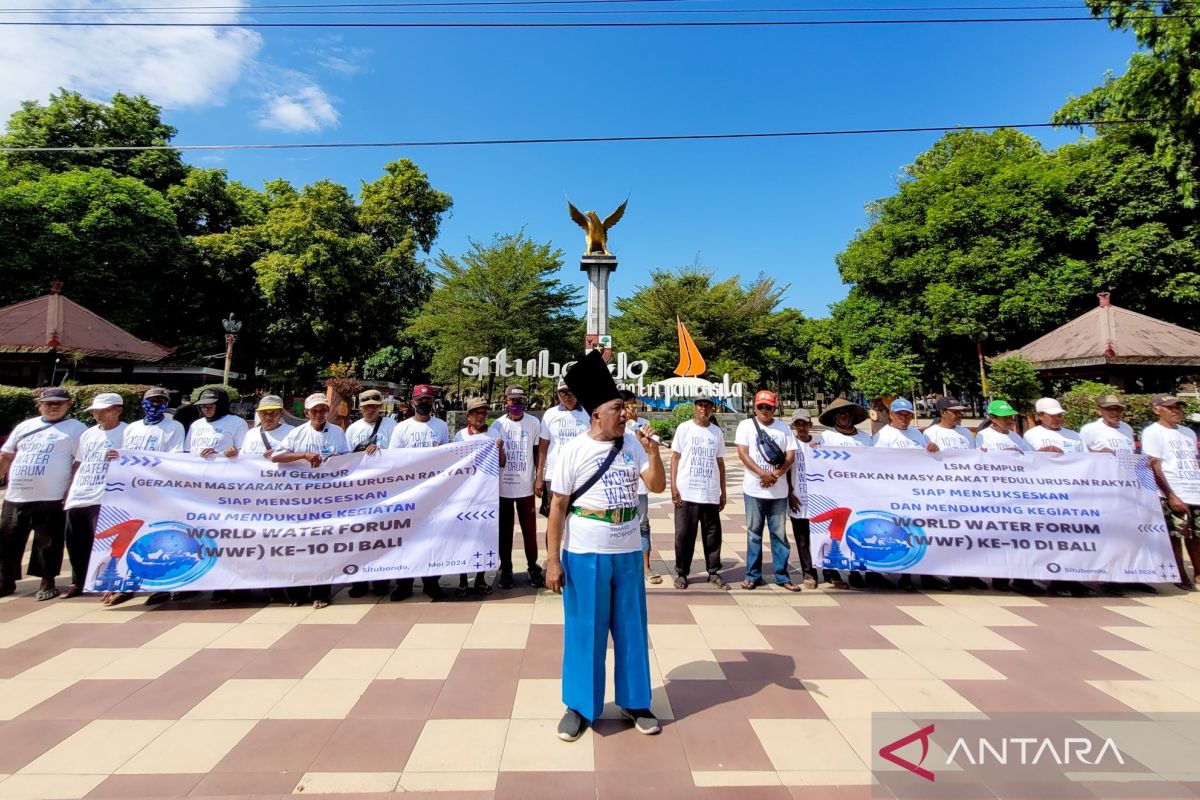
765, 693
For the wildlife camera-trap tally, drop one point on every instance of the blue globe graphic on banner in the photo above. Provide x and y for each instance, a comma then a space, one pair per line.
882, 543
168, 557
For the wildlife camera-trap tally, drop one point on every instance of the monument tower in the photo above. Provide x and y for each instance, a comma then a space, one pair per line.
598, 263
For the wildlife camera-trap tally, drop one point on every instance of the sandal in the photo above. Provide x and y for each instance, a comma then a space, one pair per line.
718, 581
681, 582
789, 586
839, 584
654, 578
46, 594
72, 591
810, 583
461, 592
320, 603
748, 585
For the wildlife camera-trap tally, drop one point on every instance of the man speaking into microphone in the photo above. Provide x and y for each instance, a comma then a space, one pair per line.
594, 522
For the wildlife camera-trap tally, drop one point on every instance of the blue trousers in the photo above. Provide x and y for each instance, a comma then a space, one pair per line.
774, 514
604, 593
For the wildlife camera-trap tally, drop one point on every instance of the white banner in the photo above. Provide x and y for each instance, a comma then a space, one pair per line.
1046, 516
177, 521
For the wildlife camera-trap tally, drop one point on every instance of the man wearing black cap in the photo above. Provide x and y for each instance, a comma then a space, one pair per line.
37, 458
421, 430
520, 434
948, 433
217, 431
560, 424
594, 521
1171, 446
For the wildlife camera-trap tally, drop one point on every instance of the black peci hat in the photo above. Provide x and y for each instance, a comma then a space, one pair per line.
591, 382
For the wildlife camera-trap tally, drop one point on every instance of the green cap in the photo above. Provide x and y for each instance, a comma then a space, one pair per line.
1000, 408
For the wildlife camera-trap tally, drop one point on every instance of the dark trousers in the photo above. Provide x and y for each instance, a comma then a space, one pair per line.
687, 517
81, 533
544, 508
522, 509
47, 520
801, 533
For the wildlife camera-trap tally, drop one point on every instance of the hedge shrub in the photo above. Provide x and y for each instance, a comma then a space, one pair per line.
19, 403
1080, 405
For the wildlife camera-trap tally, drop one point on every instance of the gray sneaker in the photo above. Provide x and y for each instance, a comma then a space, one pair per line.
572, 726
643, 720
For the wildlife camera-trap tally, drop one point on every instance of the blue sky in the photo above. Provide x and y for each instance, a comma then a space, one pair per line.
780, 207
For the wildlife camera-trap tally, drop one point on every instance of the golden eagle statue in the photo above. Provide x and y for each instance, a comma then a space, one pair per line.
595, 230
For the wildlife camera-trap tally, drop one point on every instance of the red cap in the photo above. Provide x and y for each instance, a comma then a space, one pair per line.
424, 390
765, 397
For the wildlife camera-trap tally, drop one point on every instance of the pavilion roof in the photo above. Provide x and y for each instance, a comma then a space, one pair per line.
55, 323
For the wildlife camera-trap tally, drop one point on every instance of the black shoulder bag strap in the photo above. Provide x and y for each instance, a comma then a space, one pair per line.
590, 482
759, 441
265, 440
370, 439
46, 427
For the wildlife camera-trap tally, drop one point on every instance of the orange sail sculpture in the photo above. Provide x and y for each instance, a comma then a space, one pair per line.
691, 363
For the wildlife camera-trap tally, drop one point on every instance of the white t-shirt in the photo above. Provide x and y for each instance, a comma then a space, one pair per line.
747, 434
1099, 435
560, 426
306, 439
991, 439
799, 484
360, 431
577, 460
413, 433
632, 426
87, 487
44, 454
520, 438
699, 448
831, 438
956, 438
1064, 439
253, 445
1176, 449
465, 435
165, 437
219, 434
891, 436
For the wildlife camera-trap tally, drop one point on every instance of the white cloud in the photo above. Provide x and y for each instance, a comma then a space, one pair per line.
340, 59
304, 110
174, 67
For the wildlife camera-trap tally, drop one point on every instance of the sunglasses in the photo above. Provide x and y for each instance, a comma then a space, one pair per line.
566, 393
765, 407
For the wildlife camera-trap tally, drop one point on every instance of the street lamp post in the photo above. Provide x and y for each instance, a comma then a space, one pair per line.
231, 327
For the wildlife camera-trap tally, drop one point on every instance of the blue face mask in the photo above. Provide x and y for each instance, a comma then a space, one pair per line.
155, 412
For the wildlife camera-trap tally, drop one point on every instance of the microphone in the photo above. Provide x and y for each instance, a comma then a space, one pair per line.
649, 435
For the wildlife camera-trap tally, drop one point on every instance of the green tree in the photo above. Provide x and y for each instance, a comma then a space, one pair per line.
1016, 380
733, 325
1159, 86
880, 375
390, 363
503, 294
110, 239
71, 120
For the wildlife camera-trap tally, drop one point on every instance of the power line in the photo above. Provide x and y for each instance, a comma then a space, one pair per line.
573, 140
754, 23
599, 12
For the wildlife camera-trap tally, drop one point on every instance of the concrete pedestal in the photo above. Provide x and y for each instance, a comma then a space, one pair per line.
598, 268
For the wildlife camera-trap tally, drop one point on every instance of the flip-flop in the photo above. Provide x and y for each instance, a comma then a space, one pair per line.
654, 578
46, 594
320, 603
72, 591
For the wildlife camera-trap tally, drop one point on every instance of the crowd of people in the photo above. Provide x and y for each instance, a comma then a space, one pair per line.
56, 466
588, 465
